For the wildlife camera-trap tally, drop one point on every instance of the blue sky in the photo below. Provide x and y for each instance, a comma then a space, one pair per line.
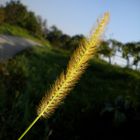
79, 16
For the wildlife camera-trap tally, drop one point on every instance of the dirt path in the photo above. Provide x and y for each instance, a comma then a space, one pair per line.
11, 45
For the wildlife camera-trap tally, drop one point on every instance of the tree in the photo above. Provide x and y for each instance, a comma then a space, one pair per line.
136, 54
54, 35
16, 13
33, 25
105, 50
2, 15
43, 25
64, 39
127, 52
116, 45
74, 42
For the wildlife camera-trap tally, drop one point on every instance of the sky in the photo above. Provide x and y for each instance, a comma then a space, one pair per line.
80, 16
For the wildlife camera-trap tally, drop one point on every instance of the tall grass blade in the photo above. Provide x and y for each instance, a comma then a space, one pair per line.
76, 66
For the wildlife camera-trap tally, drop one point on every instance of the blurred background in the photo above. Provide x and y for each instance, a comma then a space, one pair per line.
36, 41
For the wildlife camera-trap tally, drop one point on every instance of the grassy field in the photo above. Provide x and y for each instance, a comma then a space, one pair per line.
105, 98
7, 29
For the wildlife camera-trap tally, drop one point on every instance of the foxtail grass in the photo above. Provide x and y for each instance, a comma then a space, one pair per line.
66, 81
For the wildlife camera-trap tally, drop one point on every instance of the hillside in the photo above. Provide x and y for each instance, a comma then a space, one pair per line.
14, 30
104, 102
14, 39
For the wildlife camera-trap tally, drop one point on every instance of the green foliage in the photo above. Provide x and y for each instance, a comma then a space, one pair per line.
2, 15
7, 29
14, 31
60, 40
17, 14
105, 50
135, 53
127, 51
24, 79
33, 25
74, 42
54, 35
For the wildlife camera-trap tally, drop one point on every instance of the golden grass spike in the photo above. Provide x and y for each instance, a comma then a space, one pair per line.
77, 64
76, 67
